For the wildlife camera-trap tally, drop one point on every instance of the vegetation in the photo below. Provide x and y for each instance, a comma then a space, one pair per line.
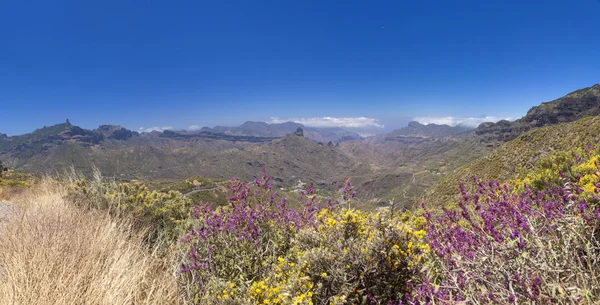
52, 252
510, 243
533, 239
14, 182
518, 157
2, 169
505, 248
526, 230
158, 213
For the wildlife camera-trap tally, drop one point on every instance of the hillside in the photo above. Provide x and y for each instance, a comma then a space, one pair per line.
573, 106
524, 151
175, 155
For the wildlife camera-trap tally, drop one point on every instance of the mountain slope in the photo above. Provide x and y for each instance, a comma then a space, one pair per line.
523, 151
288, 159
573, 106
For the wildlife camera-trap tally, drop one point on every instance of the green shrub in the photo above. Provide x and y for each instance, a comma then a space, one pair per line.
158, 212
258, 251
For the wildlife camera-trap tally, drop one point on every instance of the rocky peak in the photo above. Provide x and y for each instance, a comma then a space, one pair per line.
415, 124
299, 132
116, 132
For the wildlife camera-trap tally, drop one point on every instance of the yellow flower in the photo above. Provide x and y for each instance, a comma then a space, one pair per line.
419, 234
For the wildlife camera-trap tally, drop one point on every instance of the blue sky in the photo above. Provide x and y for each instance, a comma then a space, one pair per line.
178, 64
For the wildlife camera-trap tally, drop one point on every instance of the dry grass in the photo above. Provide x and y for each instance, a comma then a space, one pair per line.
54, 253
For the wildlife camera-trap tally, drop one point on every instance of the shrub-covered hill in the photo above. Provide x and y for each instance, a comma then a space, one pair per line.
511, 158
290, 159
571, 107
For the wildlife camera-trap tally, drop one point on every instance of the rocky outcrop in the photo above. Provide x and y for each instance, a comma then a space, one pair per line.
299, 132
572, 107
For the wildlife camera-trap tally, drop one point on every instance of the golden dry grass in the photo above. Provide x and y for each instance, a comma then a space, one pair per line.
54, 253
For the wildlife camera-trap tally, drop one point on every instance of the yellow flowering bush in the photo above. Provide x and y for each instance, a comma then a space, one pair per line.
10, 179
587, 172
158, 212
545, 170
577, 169
350, 256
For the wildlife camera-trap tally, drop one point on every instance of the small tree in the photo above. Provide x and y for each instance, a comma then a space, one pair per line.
2, 169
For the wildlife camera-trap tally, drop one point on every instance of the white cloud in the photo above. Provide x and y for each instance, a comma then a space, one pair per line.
194, 127
155, 128
332, 122
454, 121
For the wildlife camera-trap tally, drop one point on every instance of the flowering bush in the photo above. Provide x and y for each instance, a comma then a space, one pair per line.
238, 243
578, 167
358, 257
10, 179
507, 248
13, 183
160, 213
258, 251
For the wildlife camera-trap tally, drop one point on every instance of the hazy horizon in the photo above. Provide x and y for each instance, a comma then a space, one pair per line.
470, 122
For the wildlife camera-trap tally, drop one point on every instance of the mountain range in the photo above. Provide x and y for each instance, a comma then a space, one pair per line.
410, 164
262, 129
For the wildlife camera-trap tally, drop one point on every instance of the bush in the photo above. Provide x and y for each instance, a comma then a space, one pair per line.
352, 257
504, 248
2, 169
13, 183
160, 213
237, 243
258, 251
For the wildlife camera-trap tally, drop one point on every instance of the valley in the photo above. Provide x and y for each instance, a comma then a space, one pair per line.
407, 165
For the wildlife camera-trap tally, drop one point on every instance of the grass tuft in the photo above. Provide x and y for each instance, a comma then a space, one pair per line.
55, 253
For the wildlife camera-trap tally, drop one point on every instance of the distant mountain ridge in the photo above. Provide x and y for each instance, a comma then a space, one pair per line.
174, 155
118, 151
571, 107
415, 133
262, 129
417, 129
251, 132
